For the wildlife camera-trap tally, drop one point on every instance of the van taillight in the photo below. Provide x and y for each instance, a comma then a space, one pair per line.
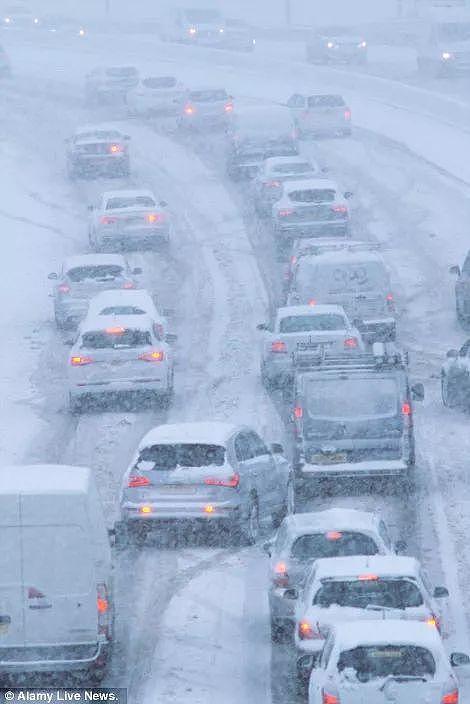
102, 606
137, 480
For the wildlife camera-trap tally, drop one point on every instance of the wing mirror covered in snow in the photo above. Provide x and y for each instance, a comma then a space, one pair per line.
52, 275
348, 194
126, 137
262, 326
306, 663
452, 354
277, 448
400, 546
137, 270
417, 391
291, 594
441, 593
267, 548
455, 270
163, 203
459, 659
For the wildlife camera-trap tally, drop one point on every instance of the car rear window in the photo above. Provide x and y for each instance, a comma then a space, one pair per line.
122, 310
122, 71
119, 338
99, 134
130, 202
377, 661
333, 544
167, 457
361, 594
313, 195
341, 277
100, 272
325, 101
307, 323
161, 82
354, 398
293, 168
208, 96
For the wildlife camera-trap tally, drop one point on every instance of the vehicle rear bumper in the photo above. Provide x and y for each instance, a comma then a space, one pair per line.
99, 164
378, 330
181, 512
132, 236
61, 658
370, 468
312, 229
116, 386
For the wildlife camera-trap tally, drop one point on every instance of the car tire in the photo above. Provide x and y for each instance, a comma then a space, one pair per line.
448, 397
288, 507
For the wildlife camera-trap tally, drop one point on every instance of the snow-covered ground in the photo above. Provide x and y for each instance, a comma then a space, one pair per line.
192, 622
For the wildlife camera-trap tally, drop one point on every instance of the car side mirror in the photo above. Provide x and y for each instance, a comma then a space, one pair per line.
348, 194
459, 659
137, 270
306, 663
163, 203
69, 342
441, 593
90, 207
277, 448
291, 594
171, 338
126, 137
401, 546
267, 548
52, 275
262, 326
417, 391
455, 270
325, 170
452, 354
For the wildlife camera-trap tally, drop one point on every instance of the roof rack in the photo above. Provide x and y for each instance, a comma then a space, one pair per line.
384, 355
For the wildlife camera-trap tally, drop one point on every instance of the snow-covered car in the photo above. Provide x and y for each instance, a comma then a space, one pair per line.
98, 150
59, 26
357, 280
455, 378
238, 35
320, 114
303, 538
336, 45
82, 277
309, 207
5, 68
266, 187
296, 328
110, 83
206, 108
20, 16
194, 25
117, 355
462, 290
443, 43
156, 95
363, 588
202, 474
384, 661
131, 302
128, 219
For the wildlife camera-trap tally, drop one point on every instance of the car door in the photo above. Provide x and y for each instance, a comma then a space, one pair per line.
247, 466
460, 371
270, 483
463, 288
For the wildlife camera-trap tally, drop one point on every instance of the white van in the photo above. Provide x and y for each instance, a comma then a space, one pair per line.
56, 609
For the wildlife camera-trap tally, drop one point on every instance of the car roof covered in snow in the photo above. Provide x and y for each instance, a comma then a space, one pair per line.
380, 565
311, 184
128, 193
273, 161
322, 309
94, 260
96, 322
44, 479
342, 256
122, 297
211, 433
351, 634
332, 519
100, 127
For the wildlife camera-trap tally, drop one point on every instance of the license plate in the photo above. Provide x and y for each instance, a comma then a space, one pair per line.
177, 489
334, 458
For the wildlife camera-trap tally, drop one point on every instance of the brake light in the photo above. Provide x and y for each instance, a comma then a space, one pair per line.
107, 220
406, 409
80, 361
128, 284
232, 481
115, 331
350, 343
347, 114
228, 107
339, 209
390, 302
281, 578
312, 302
154, 217
285, 212
329, 698
34, 593
137, 480
451, 697
334, 535
433, 622
272, 184
155, 356
298, 412
305, 630
115, 148
278, 346
293, 260
368, 578
102, 606
189, 109
63, 288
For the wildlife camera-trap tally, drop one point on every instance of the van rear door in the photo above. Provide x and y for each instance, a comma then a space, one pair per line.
11, 592
60, 586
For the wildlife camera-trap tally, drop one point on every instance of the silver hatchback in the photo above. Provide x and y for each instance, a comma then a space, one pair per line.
205, 474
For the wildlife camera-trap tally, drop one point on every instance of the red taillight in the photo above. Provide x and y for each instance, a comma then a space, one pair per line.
128, 284
115, 148
406, 409
228, 107
80, 361
368, 578
279, 347
305, 630
63, 288
298, 412
312, 302
272, 184
154, 217
34, 593
137, 480
334, 535
281, 578
232, 481
390, 302
329, 698
189, 109
339, 209
107, 220
350, 343
347, 114
285, 212
102, 607
155, 356
451, 697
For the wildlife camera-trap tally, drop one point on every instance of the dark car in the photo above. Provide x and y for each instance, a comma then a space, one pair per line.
238, 36
353, 415
462, 291
455, 377
336, 45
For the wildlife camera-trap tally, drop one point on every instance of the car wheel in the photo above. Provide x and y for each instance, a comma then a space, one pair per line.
447, 393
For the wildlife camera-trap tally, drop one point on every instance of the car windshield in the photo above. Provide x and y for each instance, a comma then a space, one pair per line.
122, 72
364, 593
99, 134
333, 543
294, 167
130, 202
377, 661
341, 399
325, 101
454, 32
122, 310
195, 16
313, 195
208, 96
97, 272
118, 338
167, 457
310, 323
161, 82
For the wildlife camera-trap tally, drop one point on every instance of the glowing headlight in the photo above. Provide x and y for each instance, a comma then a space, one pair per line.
7, 20
446, 55
221, 30
330, 45
362, 45
36, 21
192, 30
81, 32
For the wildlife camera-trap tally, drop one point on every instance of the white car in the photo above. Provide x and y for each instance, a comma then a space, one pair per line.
156, 94
303, 538
119, 355
363, 588
266, 187
380, 662
320, 114
110, 83
303, 328
130, 302
128, 219
207, 108
308, 208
